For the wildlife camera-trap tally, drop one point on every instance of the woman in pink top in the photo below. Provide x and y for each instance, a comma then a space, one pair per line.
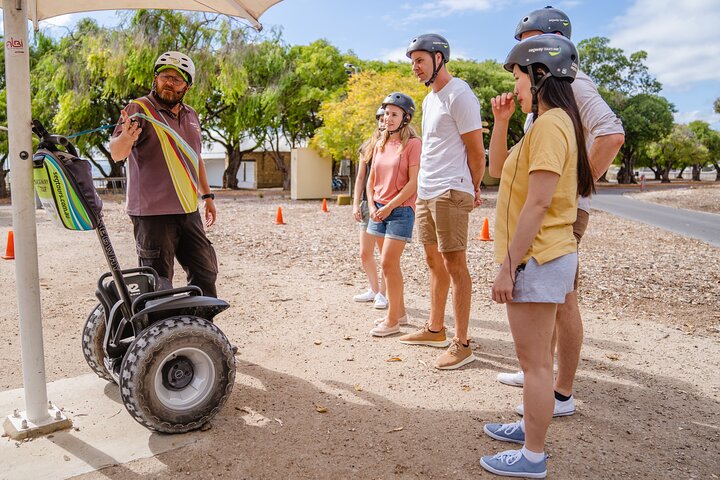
391, 192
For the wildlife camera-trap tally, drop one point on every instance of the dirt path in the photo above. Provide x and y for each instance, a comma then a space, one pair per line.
648, 388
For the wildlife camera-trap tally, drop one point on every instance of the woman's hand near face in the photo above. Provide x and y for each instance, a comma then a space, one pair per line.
503, 107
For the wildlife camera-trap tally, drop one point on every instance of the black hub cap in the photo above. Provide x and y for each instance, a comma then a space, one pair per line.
177, 373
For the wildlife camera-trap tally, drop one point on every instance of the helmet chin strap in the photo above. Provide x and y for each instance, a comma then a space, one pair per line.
405, 121
534, 89
436, 70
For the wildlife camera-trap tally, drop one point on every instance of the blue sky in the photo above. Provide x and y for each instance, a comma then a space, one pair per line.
680, 36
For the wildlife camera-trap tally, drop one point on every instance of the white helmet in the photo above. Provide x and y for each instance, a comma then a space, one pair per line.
177, 60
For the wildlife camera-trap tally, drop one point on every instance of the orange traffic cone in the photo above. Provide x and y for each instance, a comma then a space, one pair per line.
485, 233
10, 249
279, 217
324, 207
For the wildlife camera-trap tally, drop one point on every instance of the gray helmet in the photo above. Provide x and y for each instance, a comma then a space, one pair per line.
380, 112
557, 53
403, 101
546, 20
430, 42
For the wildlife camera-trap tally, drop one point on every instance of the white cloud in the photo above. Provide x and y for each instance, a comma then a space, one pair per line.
680, 38
705, 115
445, 8
395, 55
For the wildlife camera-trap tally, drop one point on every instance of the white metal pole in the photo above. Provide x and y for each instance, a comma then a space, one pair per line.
17, 74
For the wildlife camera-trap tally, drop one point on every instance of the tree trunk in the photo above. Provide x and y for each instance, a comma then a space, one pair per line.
717, 172
3, 186
280, 164
230, 175
3, 176
679, 175
625, 174
696, 172
666, 174
657, 171
603, 178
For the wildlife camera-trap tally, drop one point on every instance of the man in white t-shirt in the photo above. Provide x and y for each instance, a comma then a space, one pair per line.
452, 164
604, 136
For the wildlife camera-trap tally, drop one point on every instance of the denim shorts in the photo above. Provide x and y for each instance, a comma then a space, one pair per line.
546, 283
398, 225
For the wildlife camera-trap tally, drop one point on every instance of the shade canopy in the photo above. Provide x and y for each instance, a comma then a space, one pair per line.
248, 9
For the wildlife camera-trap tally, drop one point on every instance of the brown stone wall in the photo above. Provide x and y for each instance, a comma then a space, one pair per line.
267, 175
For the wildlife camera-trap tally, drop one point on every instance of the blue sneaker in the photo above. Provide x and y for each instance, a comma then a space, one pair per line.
512, 463
506, 432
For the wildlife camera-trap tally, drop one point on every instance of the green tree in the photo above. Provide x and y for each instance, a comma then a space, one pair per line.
716, 105
310, 74
680, 146
711, 140
349, 119
646, 119
613, 71
69, 92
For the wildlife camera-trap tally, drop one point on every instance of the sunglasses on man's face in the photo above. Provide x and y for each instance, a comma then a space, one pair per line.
171, 79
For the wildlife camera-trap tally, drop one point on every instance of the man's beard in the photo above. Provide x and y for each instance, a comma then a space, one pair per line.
168, 96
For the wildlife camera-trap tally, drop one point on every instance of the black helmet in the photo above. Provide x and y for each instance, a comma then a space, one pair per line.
403, 101
380, 112
430, 42
557, 53
546, 20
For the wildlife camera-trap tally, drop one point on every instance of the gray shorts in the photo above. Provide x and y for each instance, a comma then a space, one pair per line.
546, 283
365, 215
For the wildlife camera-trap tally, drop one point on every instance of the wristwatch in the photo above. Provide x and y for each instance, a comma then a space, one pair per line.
208, 195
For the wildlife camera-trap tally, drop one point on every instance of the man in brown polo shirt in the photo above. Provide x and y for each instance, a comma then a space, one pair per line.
160, 137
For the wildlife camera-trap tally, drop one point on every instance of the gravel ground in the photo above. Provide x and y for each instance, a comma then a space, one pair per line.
317, 397
703, 198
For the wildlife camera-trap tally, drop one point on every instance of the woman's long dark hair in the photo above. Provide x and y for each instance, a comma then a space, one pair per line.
556, 92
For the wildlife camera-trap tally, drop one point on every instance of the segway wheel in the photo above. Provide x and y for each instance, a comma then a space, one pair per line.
92, 342
177, 374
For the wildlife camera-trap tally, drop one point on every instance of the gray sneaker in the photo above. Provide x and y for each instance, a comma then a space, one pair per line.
512, 463
562, 409
506, 432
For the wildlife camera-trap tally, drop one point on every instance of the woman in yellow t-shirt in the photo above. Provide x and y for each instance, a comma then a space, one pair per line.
540, 179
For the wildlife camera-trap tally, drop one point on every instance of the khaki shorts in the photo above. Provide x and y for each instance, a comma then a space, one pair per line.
443, 220
579, 228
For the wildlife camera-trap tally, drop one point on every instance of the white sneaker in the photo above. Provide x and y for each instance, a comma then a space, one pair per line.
368, 296
404, 320
562, 409
512, 379
381, 302
383, 330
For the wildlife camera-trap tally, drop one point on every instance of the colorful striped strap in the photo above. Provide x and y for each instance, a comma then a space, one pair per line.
181, 159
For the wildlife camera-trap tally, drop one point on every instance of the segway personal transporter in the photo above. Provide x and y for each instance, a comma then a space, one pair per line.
174, 366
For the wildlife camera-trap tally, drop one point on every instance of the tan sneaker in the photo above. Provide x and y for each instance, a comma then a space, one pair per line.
426, 337
456, 356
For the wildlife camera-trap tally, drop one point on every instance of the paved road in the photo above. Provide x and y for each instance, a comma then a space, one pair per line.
703, 226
